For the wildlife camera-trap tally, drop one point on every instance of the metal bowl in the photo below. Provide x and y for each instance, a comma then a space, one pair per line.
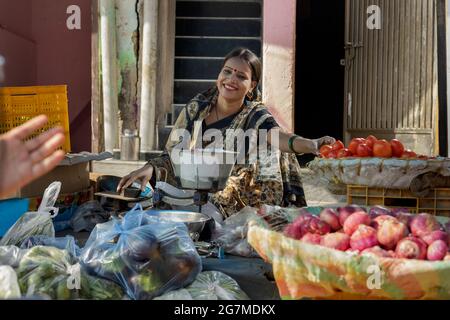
194, 221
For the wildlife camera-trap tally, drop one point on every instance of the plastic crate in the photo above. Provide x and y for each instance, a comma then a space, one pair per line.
20, 104
436, 203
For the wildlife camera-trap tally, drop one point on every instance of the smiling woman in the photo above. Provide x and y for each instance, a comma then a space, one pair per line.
234, 103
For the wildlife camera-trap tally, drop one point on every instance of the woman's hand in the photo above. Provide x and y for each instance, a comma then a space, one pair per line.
322, 142
144, 175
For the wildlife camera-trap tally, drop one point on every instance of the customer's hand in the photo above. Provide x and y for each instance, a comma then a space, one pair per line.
24, 161
318, 143
144, 175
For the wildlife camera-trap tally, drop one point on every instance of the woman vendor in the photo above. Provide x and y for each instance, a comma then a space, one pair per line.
235, 103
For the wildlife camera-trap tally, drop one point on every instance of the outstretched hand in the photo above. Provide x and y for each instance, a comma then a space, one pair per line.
24, 161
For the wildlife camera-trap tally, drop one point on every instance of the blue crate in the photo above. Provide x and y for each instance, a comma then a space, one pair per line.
10, 211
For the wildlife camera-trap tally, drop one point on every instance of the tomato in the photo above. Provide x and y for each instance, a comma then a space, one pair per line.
333, 154
397, 148
325, 150
363, 151
408, 154
353, 146
344, 153
370, 141
338, 145
382, 149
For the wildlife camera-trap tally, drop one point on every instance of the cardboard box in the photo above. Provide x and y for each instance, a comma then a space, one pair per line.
73, 173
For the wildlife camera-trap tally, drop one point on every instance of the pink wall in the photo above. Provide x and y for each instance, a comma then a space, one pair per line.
64, 57
279, 59
16, 42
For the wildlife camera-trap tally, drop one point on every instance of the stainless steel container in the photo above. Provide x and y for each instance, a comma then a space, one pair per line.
130, 146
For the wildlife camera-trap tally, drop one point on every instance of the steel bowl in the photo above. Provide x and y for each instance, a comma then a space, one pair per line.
194, 221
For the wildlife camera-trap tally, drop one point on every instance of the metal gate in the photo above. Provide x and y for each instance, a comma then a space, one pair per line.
391, 73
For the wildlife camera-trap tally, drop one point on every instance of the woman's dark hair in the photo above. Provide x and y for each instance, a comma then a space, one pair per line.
252, 60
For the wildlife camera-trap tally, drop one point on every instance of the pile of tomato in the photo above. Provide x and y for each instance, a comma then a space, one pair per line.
369, 147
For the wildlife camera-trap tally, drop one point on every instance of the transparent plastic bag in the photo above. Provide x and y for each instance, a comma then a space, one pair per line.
35, 223
233, 234
87, 216
214, 285
66, 243
9, 287
145, 255
48, 272
209, 285
11, 256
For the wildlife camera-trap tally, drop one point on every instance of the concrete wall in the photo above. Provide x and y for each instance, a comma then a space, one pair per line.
279, 19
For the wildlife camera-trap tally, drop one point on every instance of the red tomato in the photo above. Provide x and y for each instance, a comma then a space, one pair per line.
370, 141
344, 153
397, 148
325, 151
332, 154
408, 154
353, 146
382, 149
338, 145
363, 151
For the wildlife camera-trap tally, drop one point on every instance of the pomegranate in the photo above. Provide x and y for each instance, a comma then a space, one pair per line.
338, 241
312, 238
405, 218
379, 252
330, 216
390, 232
411, 248
364, 237
423, 224
379, 211
430, 237
315, 225
345, 212
293, 231
354, 220
437, 250
378, 221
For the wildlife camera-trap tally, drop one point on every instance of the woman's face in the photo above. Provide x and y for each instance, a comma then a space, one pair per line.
235, 80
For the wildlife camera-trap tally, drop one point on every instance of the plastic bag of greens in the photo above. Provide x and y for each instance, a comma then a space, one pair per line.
209, 285
145, 255
11, 256
87, 216
9, 287
66, 243
35, 223
48, 272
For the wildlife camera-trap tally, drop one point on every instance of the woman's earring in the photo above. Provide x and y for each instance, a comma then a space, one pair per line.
250, 96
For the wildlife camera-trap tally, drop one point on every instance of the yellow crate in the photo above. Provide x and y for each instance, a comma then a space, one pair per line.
436, 203
20, 104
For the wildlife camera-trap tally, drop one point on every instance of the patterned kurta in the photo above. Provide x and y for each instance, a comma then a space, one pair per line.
274, 179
